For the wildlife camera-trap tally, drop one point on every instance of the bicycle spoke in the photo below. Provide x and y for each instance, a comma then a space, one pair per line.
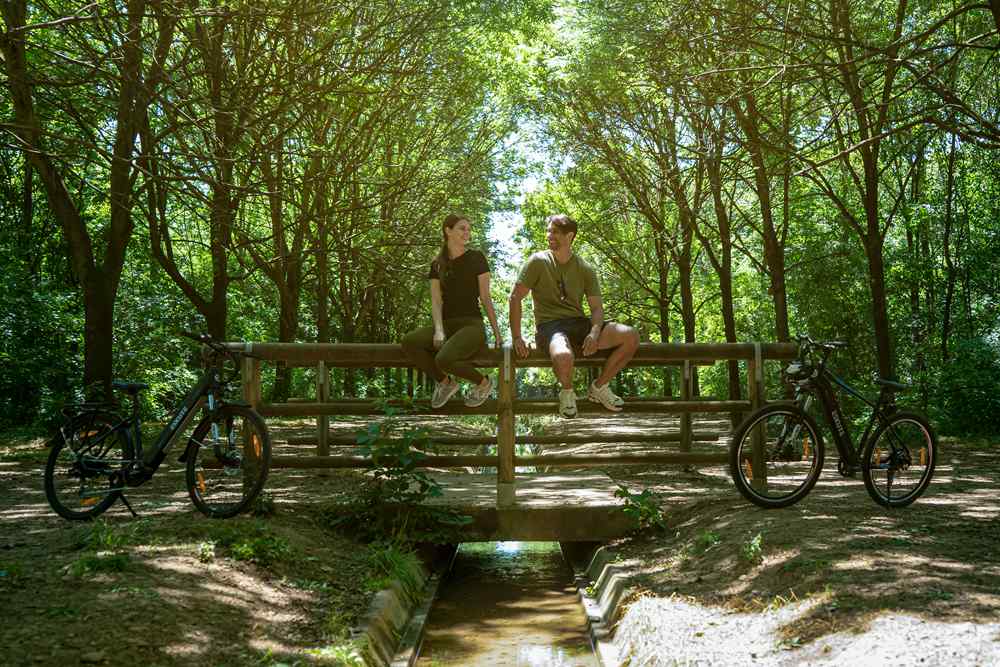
777, 457
900, 461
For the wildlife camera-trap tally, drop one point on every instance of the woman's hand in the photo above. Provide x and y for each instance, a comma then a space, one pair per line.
438, 339
497, 338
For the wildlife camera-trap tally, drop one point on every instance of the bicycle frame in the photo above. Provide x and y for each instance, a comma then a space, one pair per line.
823, 387
183, 415
142, 466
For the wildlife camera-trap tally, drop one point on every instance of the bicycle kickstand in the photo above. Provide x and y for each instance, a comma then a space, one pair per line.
125, 500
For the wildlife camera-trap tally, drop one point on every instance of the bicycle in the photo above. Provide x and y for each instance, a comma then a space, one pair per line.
98, 454
777, 453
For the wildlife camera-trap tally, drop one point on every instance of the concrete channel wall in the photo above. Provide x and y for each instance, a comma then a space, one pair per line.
392, 630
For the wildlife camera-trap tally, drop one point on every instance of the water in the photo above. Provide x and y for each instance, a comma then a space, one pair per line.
508, 603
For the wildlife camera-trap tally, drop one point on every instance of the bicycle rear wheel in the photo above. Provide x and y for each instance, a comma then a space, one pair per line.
84, 472
776, 456
227, 465
898, 461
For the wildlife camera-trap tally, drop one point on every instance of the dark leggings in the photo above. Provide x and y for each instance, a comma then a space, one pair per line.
464, 336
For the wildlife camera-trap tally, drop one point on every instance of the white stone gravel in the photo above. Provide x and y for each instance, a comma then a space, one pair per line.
673, 632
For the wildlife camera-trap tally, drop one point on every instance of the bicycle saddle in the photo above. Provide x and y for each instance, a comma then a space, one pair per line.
892, 384
131, 388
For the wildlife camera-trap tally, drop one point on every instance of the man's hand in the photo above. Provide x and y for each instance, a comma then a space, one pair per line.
521, 347
438, 339
590, 344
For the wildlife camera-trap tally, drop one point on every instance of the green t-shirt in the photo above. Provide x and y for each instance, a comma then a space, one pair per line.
542, 274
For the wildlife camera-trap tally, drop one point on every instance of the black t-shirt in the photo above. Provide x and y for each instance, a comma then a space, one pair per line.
460, 287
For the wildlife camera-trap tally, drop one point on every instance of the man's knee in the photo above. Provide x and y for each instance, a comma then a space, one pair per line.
560, 352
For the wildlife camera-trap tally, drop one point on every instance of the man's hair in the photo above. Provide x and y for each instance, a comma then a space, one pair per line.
563, 223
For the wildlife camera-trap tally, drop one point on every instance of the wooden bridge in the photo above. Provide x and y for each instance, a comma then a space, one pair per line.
528, 506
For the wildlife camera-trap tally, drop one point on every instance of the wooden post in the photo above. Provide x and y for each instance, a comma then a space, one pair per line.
409, 382
250, 381
686, 417
755, 380
322, 421
505, 428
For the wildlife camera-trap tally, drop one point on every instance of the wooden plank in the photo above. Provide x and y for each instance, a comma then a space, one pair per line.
480, 440
640, 407
587, 460
373, 355
491, 407
364, 462
367, 408
680, 458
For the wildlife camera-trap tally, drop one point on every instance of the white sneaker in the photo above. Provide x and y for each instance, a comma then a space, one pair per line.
478, 394
567, 403
605, 397
442, 392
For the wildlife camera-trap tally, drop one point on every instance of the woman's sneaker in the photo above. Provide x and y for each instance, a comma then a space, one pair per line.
605, 397
567, 403
443, 391
478, 394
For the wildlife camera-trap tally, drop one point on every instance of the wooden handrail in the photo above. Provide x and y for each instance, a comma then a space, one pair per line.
390, 355
325, 356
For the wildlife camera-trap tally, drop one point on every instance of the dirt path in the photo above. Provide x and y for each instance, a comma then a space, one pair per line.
828, 575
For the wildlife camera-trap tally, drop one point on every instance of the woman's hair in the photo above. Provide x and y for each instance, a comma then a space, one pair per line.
443, 261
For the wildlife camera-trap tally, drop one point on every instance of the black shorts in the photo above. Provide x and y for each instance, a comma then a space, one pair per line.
574, 328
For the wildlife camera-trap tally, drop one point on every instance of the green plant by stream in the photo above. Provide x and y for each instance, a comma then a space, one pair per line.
391, 503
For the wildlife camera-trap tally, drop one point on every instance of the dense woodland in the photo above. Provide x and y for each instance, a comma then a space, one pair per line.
278, 170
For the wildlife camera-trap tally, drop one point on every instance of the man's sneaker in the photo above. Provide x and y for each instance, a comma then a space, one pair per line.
478, 394
442, 392
567, 403
605, 397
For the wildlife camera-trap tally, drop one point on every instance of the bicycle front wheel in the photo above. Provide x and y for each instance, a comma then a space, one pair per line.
84, 472
228, 459
898, 461
776, 456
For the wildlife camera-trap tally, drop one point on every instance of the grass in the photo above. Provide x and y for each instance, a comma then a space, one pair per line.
391, 562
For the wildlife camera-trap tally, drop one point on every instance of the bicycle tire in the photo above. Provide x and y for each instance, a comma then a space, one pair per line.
213, 476
903, 447
76, 460
785, 480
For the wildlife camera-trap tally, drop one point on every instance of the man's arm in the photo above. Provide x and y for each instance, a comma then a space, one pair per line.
596, 320
514, 315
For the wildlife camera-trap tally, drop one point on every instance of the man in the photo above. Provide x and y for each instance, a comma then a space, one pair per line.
558, 280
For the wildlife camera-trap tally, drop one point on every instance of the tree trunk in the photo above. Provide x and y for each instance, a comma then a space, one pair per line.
663, 304
949, 216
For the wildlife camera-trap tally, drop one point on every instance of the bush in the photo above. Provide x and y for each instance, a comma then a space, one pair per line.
967, 394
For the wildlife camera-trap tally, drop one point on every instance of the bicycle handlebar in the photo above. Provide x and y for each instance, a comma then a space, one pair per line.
806, 343
215, 345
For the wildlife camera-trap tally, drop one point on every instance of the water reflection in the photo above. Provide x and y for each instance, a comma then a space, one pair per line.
508, 603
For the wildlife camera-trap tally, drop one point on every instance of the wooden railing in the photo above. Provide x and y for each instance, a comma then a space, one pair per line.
687, 356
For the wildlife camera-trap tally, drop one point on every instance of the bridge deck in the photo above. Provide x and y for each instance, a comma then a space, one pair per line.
565, 506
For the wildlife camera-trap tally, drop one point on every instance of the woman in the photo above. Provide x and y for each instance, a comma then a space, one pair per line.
460, 279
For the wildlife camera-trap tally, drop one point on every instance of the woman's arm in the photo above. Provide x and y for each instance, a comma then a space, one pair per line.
487, 300
437, 304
